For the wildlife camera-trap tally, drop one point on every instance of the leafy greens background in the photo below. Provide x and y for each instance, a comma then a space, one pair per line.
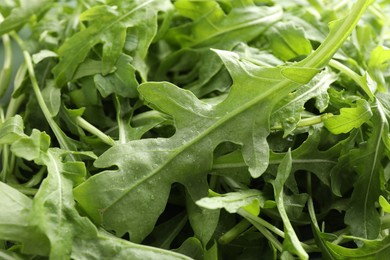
194, 129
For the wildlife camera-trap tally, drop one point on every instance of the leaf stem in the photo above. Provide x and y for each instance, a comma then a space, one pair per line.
266, 233
306, 121
234, 232
24, 190
95, 131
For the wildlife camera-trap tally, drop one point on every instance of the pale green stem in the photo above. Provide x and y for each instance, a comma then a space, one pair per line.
95, 131
234, 232
24, 190
306, 121
121, 123
266, 233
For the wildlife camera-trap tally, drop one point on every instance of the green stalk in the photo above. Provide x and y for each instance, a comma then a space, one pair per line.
95, 131
314, 120
234, 232
266, 233
121, 123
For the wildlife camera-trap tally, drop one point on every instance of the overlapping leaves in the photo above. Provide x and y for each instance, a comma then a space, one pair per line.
155, 164
274, 135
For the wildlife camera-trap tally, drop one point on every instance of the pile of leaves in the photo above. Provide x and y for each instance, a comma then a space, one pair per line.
189, 129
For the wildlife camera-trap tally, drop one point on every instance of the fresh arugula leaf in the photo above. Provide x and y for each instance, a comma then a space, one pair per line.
288, 42
22, 14
104, 23
362, 215
349, 118
233, 201
384, 204
291, 242
288, 112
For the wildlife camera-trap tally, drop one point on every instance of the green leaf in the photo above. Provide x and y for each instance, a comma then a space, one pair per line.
41, 55
11, 130
32, 147
288, 112
105, 23
52, 96
384, 204
15, 209
121, 82
232, 201
192, 247
362, 216
146, 165
288, 42
378, 57
203, 220
349, 118
211, 25
371, 250
291, 242
307, 157
22, 14
319, 237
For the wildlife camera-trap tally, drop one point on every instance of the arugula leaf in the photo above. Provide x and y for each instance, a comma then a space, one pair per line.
21, 14
362, 215
384, 204
104, 23
288, 42
288, 112
349, 118
232, 201
291, 242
